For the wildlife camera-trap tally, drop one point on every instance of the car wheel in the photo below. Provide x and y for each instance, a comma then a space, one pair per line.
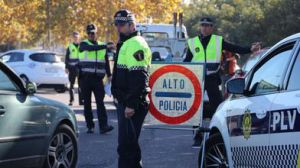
62, 149
24, 78
215, 153
61, 89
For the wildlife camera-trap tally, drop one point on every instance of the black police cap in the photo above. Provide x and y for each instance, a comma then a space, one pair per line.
206, 20
91, 28
124, 16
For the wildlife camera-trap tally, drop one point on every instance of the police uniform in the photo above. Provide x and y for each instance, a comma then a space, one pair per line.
211, 56
208, 50
130, 87
71, 62
94, 65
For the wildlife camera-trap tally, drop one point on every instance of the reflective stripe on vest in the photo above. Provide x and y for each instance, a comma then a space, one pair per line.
93, 61
126, 59
213, 52
74, 55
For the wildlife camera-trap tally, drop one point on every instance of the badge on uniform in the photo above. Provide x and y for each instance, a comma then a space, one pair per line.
139, 55
197, 49
247, 123
73, 50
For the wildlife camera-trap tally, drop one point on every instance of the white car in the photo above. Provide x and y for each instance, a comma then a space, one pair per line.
44, 68
259, 125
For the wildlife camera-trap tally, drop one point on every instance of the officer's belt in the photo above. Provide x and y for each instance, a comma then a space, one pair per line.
93, 70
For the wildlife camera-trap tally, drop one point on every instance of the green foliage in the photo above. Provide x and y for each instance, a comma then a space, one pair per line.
247, 21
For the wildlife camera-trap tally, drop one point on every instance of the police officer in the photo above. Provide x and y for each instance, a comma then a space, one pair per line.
71, 62
94, 65
130, 87
207, 48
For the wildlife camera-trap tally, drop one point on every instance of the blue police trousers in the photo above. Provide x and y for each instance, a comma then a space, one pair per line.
129, 131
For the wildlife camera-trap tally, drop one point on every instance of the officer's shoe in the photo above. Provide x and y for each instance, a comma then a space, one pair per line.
106, 129
71, 103
90, 131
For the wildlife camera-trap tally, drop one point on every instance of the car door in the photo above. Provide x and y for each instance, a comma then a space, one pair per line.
285, 121
22, 122
249, 114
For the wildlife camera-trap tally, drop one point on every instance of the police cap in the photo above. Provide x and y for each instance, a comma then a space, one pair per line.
207, 20
124, 16
91, 28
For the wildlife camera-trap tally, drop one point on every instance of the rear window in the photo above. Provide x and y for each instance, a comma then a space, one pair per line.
45, 57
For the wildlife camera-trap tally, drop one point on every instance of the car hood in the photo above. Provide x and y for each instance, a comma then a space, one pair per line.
50, 102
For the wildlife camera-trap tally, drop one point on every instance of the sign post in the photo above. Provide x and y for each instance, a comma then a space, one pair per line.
176, 94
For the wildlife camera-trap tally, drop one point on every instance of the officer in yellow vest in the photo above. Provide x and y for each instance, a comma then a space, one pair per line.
71, 62
130, 88
93, 66
207, 48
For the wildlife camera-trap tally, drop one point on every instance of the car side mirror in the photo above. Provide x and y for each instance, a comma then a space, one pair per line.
31, 88
236, 86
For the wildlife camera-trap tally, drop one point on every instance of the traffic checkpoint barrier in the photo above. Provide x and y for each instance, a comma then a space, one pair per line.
176, 97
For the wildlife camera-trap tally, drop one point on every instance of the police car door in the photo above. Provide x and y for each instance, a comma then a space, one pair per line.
285, 120
249, 116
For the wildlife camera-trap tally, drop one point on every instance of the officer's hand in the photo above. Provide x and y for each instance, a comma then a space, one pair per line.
129, 112
255, 47
110, 78
67, 71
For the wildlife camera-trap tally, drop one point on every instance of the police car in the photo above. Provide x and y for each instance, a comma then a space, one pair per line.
259, 125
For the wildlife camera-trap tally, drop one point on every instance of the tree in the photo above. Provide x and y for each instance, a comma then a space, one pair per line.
16, 18
25, 21
247, 21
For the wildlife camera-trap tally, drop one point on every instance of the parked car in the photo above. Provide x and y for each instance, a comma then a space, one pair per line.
258, 126
34, 131
44, 68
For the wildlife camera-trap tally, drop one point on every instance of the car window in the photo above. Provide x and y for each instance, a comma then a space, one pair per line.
45, 57
149, 36
294, 81
250, 63
13, 57
16, 57
163, 51
268, 76
6, 83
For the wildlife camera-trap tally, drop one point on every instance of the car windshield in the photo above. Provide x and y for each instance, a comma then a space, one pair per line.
45, 57
150, 36
163, 51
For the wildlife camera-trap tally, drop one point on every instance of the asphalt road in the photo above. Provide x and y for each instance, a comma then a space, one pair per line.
160, 148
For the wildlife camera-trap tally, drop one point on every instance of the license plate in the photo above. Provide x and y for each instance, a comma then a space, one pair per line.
51, 70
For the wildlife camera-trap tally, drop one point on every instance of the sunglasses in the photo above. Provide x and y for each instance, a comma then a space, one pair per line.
205, 25
120, 24
91, 33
